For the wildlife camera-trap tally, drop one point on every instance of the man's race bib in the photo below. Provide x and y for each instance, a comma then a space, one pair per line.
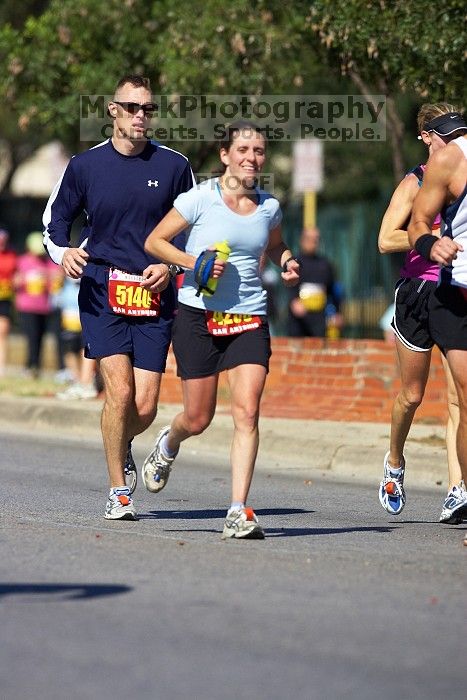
224, 323
127, 297
313, 296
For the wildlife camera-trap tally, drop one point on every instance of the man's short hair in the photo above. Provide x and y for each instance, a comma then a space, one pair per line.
138, 81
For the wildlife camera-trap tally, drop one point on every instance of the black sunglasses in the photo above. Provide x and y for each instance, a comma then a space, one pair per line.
133, 107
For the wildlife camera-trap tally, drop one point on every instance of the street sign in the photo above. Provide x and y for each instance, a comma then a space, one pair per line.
307, 173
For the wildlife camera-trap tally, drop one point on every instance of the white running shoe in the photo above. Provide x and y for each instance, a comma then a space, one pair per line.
120, 505
454, 506
391, 488
157, 467
64, 376
242, 524
78, 391
129, 468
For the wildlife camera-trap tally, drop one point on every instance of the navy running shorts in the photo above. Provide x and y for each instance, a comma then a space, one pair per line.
448, 317
200, 354
145, 339
411, 313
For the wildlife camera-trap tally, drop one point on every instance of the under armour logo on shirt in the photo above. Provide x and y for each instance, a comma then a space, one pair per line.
153, 182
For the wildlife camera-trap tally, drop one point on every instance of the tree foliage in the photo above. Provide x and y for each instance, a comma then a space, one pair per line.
396, 44
53, 52
393, 46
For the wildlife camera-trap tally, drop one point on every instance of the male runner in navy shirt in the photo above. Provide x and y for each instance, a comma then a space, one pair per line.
125, 186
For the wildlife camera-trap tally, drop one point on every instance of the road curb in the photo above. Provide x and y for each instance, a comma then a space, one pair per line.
341, 449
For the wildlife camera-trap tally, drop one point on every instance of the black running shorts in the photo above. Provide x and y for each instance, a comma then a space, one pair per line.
200, 354
411, 313
448, 317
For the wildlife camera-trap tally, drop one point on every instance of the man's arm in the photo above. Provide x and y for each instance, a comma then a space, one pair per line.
434, 194
64, 205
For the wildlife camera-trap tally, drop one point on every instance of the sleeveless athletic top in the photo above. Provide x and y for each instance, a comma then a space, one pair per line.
455, 219
415, 265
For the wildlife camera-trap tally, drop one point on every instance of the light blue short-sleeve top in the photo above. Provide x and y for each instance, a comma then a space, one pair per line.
239, 290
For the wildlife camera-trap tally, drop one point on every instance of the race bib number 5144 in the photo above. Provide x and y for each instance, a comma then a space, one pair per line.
127, 297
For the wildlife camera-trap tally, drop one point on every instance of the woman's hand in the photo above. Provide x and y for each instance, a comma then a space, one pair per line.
291, 277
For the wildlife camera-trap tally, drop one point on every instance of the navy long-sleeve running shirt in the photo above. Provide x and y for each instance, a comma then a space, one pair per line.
123, 197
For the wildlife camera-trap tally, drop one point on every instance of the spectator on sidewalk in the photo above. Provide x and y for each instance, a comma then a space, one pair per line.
8, 263
62, 375
32, 285
316, 291
81, 369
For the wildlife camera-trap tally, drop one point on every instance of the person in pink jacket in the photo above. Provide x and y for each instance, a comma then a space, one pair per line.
8, 261
32, 283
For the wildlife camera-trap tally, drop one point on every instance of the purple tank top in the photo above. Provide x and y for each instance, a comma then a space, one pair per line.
414, 264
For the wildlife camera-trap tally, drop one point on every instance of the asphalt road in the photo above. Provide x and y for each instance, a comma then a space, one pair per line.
339, 601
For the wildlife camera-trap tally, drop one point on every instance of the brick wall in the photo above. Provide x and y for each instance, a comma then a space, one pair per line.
353, 380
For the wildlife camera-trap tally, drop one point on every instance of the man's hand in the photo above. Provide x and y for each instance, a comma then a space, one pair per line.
73, 262
297, 307
292, 276
156, 277
445, 251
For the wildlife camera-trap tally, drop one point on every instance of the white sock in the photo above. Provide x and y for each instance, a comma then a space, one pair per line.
235, 505
165, 449
395, 472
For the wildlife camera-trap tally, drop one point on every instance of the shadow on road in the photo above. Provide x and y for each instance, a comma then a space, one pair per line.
74, 591
206, 514
305, 531
297, 531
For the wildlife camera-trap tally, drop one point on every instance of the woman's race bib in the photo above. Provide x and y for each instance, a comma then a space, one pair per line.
224, 323
127, 297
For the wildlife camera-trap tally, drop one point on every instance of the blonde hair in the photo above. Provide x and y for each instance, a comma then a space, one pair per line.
427, 112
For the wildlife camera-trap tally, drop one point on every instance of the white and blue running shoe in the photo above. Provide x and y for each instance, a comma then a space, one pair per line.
391, 488
129, 469
157, 466
120, 505
455, 506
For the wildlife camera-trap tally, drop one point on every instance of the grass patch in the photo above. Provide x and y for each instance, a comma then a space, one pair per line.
28, 386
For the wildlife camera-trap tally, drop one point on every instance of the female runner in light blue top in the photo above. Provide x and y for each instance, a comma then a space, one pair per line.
228, 330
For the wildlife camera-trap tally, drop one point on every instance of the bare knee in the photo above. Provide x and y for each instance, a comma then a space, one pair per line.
246, 417
196, 425
119, 398
411, 398
146, 408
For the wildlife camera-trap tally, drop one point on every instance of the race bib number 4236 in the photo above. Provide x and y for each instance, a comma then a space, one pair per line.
127, 297
224, 323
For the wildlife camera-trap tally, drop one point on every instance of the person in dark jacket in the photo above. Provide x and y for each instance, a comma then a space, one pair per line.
315, 292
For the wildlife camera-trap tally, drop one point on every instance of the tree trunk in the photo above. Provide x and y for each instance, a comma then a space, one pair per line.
393, 122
